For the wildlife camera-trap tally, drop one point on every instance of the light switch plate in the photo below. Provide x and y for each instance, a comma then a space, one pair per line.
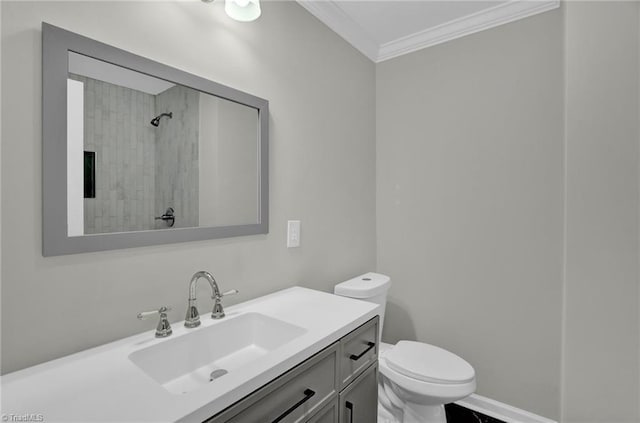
293, 233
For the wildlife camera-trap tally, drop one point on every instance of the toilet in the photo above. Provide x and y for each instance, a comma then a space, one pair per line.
416, 379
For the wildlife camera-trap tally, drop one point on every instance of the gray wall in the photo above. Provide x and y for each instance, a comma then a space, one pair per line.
322, 157
470, 197
507, 200
601, 286
117, 129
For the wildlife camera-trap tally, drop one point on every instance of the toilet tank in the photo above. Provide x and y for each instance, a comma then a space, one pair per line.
370, 287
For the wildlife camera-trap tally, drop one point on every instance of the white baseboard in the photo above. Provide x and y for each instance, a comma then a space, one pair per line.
501, 411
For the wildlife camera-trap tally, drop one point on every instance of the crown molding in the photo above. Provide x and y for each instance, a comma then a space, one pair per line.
335, 18
329, 13
470, 24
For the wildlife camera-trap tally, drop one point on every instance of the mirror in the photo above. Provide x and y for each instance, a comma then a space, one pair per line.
147, 154
143, 153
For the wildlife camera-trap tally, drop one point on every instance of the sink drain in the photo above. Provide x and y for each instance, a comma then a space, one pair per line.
216, 374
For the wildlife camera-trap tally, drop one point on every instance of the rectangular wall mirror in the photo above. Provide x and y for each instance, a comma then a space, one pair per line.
144, 153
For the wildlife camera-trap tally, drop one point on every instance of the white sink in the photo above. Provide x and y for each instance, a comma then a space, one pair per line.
186, 363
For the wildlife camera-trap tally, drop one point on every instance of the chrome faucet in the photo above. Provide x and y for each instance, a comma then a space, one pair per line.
193, 316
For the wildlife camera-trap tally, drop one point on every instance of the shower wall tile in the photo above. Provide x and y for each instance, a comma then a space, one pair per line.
177, 163
117, 128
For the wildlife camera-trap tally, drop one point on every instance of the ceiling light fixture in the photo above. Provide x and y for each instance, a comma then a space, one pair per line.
241, 10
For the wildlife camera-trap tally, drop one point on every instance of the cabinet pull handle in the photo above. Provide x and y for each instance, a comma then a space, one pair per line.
359, 356
308, 393
349, 406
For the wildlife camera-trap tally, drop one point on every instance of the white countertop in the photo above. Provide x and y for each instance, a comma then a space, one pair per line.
103, 385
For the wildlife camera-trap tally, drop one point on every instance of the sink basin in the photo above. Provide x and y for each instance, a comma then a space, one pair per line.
202, 357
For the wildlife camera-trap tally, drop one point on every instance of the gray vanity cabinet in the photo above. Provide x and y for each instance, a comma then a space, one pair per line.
338, 383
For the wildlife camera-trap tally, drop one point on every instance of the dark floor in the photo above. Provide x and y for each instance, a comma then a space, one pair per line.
459, 414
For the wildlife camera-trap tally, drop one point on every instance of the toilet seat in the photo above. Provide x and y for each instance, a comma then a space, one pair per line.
428, 363
422, 384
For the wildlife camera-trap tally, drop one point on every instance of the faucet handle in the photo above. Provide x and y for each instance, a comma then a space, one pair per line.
146, 314
164, 327
229, 292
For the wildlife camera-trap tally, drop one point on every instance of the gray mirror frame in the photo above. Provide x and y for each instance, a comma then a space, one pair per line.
56, 43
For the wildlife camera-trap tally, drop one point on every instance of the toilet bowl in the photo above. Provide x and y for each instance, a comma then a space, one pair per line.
416, 379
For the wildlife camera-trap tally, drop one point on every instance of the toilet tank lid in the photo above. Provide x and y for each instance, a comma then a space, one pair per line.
364, 286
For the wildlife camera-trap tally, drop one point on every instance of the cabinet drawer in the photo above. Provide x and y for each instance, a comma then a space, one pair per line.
358, 350
293, 397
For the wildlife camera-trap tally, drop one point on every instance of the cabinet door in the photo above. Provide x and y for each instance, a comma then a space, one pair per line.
329, 414
359, 401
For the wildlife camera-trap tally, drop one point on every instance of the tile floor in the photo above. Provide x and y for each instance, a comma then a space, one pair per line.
459, 414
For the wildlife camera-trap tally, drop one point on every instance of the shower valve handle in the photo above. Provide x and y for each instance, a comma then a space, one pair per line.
168, 216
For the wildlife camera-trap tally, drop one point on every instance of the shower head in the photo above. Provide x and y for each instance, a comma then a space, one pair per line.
156, 120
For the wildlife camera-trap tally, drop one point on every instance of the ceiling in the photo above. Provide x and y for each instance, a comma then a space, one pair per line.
383, 29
